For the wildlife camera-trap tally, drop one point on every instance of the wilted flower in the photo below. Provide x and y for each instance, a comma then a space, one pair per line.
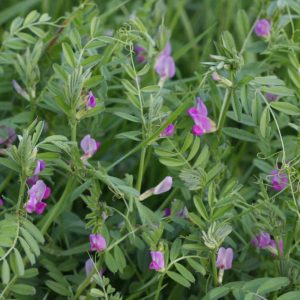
38, 192
89, 266
1, 202
8, 135
91, 101
202, 123
262, 240
158, 262
168, 131
165, 65
183, 213
97, 242
279, 180
262, 28
215, 76
164, 186
89, 147
271, 97
20, 90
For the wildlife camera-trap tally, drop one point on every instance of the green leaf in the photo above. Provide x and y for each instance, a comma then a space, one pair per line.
286, 108
69, 55
150, 89
96, 293
34, 231
240, 134
31, 241
18, 262
10, 164
58, 288
185, 272
5, 272
23, 289
31, 17
172, 162
175, 249
273, 284
264, 122
295, 295
278, 90
178, 278
196, 266
27, 251
120, 258
201, 208
216, 293
110, 262
194, 149
129, 87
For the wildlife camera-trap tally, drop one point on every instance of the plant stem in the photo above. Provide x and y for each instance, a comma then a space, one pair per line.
224, 109
21, 191
58, 208
214, 268
141, 169
159, 286
73, 131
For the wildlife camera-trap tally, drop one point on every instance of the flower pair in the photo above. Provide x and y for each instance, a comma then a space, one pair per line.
203, 124
37, 193
264, 241
279, 180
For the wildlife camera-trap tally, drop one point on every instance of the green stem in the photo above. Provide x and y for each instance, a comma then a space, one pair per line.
224, 109
58, 208
141, 169
73, 131
214, 268
159, 286
21, 191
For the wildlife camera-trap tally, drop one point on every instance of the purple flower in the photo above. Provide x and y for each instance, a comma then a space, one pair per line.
39, 167
199, 115
167, 212
164, 186
262, 240
139, 53
279, 180
273, 247
158, 262
97, 242
165, 65
38, 192
1, 202
262, 28
271, 97
89, 147
168, 131
89, 266
224, 259
91, 101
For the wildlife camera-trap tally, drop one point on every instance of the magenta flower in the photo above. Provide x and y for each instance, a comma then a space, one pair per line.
164, 186
168, 131
91, 101
224, 259
279, 180
89, 147
158, 262
39, 167
97, 242
165, 65
271, 97
262, 28
1, 202
167, 212
262, 240
38, 192
199, 115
